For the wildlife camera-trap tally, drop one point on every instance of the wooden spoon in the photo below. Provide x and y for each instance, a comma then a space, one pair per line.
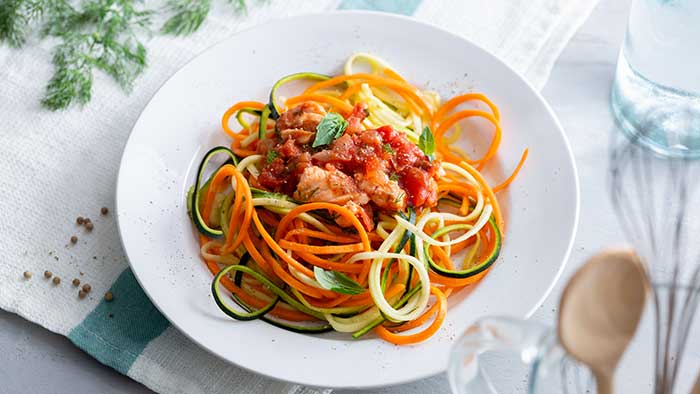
599, 311
696, 386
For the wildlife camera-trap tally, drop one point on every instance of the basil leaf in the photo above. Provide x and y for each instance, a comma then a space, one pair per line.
332, 126
336, 281
426, 142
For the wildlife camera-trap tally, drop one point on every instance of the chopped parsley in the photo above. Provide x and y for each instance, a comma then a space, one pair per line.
271, 156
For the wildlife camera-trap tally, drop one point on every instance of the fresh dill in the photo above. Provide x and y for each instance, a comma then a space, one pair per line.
188, 16
95, 34
102, 34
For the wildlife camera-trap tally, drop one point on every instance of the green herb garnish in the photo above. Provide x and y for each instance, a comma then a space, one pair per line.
94, 34
336, 281
271, 156
394, 177
388, 149
426, 142
101, 34
331, 127
188, 16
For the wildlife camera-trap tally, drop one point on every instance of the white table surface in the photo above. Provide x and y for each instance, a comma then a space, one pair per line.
33, 360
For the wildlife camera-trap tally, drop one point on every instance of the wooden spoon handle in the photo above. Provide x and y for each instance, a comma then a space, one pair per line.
604, 384
696, 386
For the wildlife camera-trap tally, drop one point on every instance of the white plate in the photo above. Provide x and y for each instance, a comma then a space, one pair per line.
182, 121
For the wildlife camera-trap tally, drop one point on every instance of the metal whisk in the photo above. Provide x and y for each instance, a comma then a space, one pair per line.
656, 203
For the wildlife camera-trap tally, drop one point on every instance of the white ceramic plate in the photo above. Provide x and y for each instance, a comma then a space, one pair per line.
182, 121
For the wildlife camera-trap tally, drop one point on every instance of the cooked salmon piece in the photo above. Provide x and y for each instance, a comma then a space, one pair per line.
328, 185
305, 116
331, 185
382, 190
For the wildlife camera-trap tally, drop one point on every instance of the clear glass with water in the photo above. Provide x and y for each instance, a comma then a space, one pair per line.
495, 351
656, 93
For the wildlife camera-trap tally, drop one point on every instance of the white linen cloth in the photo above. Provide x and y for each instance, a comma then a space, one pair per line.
55, 166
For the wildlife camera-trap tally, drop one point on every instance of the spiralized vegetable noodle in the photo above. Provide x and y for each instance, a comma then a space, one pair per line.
346, 206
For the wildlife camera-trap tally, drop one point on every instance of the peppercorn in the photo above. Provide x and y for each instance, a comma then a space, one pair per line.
104, 210
87, 288
47, 274
109, 296
76, 282
27, 275
74, 239
56, 280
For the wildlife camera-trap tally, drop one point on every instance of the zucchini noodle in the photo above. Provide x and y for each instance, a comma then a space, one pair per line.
311, 263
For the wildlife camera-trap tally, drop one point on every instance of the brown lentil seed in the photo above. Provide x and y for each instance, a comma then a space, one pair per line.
89, 226
27, 275
79, 220
56, 280
74, 239
104, 210
81, 294
76, 282
87, 288
47, 274
109, 296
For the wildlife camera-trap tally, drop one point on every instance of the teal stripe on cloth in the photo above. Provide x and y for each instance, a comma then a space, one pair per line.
405, 7
118, 340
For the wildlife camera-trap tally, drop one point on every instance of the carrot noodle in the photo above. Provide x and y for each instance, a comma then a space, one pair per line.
233, 110
513, 175
306, 268
335, 103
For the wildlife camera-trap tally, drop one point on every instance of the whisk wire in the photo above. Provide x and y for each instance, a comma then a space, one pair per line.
652, 199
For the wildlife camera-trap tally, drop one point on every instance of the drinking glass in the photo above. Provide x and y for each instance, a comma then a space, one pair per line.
656, 93
494, 347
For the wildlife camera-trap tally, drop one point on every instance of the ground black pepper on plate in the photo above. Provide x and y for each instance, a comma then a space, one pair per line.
89, 226
79, 220
47, 274
104, 210
87, 288
76, 282
56, 280
74, 239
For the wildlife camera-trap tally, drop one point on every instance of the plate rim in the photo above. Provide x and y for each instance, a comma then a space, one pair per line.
404, 19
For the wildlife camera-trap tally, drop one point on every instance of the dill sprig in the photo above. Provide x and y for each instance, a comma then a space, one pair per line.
95, 34
187, 18
188, 15
16, 17
102, 34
